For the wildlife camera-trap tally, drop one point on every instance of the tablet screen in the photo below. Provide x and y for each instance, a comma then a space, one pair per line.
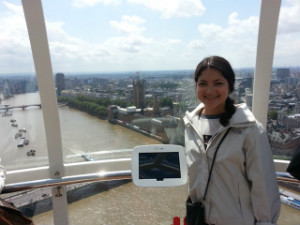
159, 165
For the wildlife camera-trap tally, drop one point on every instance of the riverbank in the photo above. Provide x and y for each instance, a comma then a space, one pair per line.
35, 202
137, 129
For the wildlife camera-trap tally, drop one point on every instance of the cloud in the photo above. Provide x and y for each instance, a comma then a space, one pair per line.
289, 17
135, 46
91, 3
169, 45
236, 30
15, 52
130, 44
173, 8
197, 44
129, 25
114, 50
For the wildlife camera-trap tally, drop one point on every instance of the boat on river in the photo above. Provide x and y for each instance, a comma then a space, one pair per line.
21, 142
31, 153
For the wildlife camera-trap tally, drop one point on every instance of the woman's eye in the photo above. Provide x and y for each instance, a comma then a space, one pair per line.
219, 84
201, 84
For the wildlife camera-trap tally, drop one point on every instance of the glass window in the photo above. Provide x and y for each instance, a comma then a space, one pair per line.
123, 72
284, 107
283, 124
123, 69
23, 142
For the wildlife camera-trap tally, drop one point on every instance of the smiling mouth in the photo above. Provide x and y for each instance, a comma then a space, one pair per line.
210, 97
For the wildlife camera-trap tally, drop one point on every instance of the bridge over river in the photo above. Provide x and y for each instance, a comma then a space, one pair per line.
7, 107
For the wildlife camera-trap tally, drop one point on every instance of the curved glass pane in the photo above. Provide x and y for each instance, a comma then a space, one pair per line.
284, 107
124, 72
23, 142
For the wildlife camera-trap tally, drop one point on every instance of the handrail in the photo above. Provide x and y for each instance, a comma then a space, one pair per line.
103, 176
286, 177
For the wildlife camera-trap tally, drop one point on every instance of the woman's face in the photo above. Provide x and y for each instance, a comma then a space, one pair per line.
212, 90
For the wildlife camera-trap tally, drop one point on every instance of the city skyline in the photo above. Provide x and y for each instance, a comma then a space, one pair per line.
136, 35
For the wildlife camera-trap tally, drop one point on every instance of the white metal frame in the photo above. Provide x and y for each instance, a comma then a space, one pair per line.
34, 17
268, 22
57, 169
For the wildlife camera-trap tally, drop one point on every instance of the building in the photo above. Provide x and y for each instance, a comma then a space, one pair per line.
60, 83
139, 93
282, 73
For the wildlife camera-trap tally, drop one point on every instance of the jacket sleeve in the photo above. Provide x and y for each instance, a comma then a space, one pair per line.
2, 176
261, 173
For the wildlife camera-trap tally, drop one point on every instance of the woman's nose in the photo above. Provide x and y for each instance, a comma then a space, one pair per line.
209, 90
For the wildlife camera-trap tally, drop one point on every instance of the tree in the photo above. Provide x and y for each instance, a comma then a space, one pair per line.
273, 114
166, 102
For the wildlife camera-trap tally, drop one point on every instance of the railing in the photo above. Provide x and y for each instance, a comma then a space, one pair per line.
57, 184
104, 176
286, 177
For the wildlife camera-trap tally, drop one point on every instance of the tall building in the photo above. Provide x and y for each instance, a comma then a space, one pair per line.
60, 83
139, 93
282, 73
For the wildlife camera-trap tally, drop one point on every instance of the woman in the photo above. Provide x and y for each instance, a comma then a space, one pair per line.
243, 188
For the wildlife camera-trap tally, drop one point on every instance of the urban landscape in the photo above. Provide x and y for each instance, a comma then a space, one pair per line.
154, 102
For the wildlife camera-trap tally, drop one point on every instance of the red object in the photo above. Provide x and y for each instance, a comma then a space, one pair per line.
176, 220
184, 221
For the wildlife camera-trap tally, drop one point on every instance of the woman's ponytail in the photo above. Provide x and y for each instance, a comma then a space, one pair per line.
229, 111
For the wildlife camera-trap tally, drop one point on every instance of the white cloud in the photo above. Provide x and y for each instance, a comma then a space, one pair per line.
15, 9
90, 3
132, 43
174, 41
129, 24
236, 30
236, 41
197, 44
133, 47
289, 17
15, 52
169, 45
65, 48
173, 8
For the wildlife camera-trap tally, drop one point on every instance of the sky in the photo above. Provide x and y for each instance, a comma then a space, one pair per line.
136, 35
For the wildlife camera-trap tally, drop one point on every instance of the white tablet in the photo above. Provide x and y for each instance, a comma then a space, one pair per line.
162, 165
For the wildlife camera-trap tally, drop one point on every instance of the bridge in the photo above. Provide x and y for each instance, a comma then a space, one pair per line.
7, 107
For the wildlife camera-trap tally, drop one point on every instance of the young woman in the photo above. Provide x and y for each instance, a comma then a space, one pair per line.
243, 188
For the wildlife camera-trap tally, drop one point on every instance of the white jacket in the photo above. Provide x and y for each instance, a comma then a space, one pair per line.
243, 189
2, 176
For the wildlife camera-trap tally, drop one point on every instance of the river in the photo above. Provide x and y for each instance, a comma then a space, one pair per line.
126, 204
80, 132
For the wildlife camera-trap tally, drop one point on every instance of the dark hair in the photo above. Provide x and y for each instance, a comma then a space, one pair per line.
222, 65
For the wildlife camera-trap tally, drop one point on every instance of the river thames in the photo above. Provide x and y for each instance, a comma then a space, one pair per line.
126, 204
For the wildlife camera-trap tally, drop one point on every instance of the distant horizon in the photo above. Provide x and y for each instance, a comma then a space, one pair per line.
131, 71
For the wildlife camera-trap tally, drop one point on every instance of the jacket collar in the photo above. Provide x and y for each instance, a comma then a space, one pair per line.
242, 115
